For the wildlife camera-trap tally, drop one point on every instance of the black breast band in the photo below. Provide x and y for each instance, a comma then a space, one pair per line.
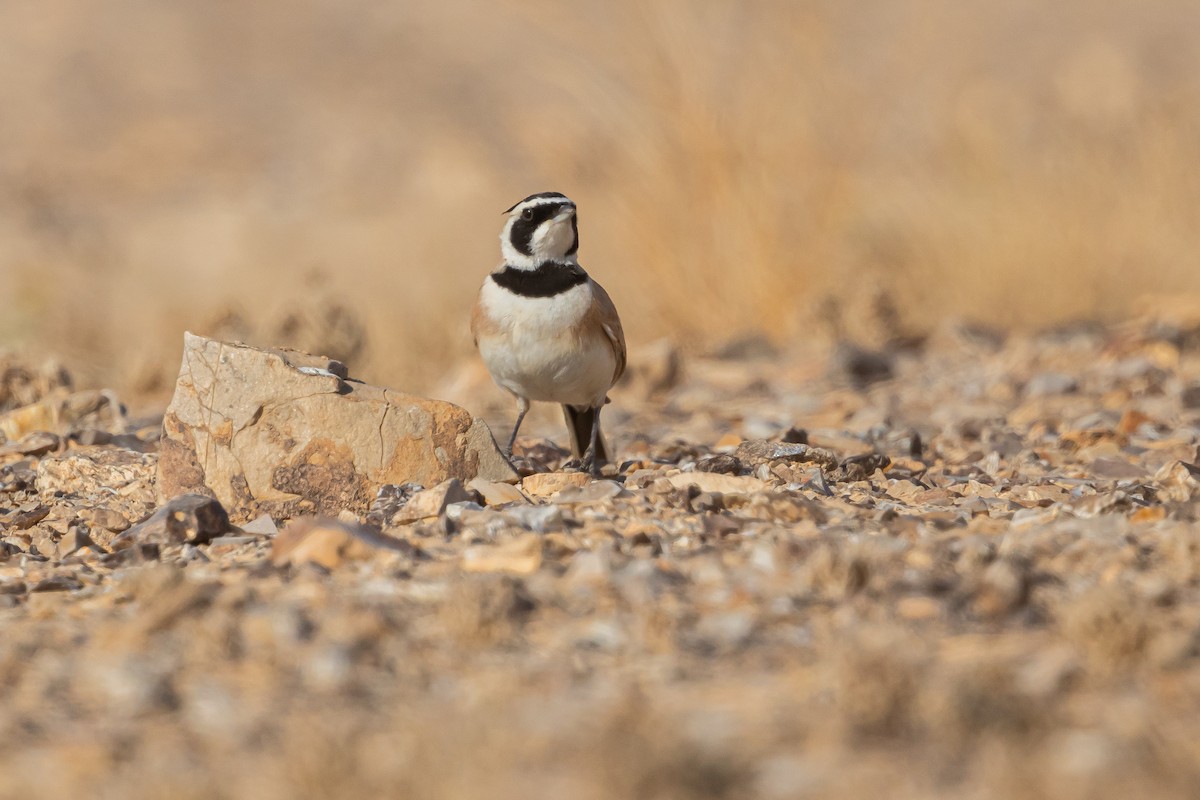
550, 278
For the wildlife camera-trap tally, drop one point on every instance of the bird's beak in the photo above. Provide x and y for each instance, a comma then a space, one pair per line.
565, 213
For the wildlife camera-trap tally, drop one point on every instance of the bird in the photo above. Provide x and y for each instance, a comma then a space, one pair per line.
545, 329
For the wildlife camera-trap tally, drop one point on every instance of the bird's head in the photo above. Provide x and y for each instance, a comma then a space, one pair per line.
540, 228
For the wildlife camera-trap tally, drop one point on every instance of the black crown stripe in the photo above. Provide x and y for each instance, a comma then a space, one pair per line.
539, 195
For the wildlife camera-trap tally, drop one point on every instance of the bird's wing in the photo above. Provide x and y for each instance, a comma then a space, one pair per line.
481, 323
603, 316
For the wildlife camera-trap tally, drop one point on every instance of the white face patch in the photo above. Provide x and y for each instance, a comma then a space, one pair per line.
554, 238
550, 241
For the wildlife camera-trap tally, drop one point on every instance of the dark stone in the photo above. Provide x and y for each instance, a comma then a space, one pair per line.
1191, 397
861, 366
186, 519
861, 467
721, 463
57, 583
795, 435
26, 519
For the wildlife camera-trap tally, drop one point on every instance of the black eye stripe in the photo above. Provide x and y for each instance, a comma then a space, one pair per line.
523, 229
575, 231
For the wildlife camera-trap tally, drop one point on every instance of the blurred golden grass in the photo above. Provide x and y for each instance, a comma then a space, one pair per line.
736, 164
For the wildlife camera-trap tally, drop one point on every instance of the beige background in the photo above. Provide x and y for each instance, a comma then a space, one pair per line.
330, 174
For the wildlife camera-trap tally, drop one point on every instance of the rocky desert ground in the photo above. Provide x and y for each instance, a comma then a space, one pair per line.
963, 566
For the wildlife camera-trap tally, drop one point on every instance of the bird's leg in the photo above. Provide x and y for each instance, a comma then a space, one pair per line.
590, 462
522, 410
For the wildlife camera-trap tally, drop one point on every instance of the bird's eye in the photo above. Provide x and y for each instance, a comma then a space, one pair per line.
527, 214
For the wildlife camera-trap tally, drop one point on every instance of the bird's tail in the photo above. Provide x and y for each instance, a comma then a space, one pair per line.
580, 422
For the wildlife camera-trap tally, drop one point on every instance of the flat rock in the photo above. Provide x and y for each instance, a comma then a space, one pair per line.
495, 493
31, 444
99, 470
544, 484
61, 412
520, 556
754, 452
25, 518
261, 526
717, 482
594, 492
283, 433
329, 543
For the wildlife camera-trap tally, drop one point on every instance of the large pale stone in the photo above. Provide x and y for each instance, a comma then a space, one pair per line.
716, 482
545, 484
285, 433
330, 543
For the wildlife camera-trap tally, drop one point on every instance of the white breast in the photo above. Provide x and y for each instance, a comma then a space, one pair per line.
535, 348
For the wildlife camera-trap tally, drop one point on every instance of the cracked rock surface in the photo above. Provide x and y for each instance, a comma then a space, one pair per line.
284, 433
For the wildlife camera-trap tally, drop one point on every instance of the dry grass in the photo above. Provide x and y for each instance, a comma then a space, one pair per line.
164, 165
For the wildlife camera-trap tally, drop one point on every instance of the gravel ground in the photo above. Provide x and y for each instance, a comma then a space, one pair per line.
963, 568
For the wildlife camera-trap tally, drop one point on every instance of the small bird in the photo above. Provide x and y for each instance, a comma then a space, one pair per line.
545, 329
